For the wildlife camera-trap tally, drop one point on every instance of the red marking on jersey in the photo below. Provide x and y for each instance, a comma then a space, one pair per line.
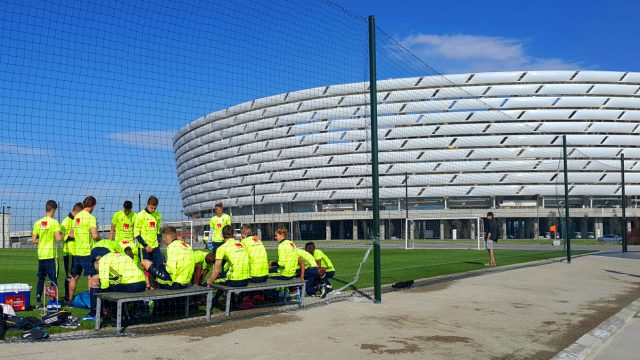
183, 243
77, 221
292, 245
255, 240
125, 227
43, 225
239, 246
219, 225
152, 225
125, 242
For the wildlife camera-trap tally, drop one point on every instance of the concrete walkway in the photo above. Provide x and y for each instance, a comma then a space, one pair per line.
529, 313
623, 345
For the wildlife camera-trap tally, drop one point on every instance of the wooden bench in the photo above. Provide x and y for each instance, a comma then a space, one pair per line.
270, 284
149, 295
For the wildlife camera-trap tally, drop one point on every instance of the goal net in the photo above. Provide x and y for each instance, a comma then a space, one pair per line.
447, 232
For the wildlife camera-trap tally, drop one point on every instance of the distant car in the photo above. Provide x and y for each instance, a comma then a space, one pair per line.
591, 235
578, 235
610, 238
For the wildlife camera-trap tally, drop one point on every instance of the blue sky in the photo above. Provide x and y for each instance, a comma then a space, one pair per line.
91, 92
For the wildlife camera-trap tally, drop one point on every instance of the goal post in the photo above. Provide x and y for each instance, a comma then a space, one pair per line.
444, 232
185, 230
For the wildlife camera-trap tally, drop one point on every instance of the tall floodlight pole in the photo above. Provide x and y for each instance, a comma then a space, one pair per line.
3, 227
406, 206
624, 206
375, 183
253, 209
566, 199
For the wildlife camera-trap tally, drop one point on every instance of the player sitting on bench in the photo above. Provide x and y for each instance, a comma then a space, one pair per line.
204, 261
177, 272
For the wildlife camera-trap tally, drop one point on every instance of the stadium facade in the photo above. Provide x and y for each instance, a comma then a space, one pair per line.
451, 148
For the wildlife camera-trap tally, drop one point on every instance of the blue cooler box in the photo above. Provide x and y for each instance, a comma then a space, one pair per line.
17, 296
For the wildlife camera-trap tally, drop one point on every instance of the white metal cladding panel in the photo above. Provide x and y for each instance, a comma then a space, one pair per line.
356, 100
540, 190
537, 153
449, 154
614, 127
502, 153
271, 165
473, 141
240, 191
393, 120
632, 153
624, 103
533, 139
599, 76
430, 143
564, 89
457, 166
595, 152
482, 178
583, 139
358, 170
325, 172
496, 77
632, 77
343, 89
282, 175
320, 103
529, 102
277, 198
340, 183
511, 165
584, 178
461, 129
631, 177
236, 161
424, 106
353, 194
528, 178
596, 115
408, 95
444, 80
299, 185
459, 92
563, 127
546, 114
319, 138
612, 177
581, 102
444, 117
397, 156
547, 76
478, 104
271, 133
306, 93
269, 101
392, 84
337, 149
281, 143
440, 191
264, 156
593, 190
392, 108
307, 128
512, 90
404, 168
313, 195
614, 89
511, 128
360, 135
347, 124
631, 115
385, 145
260, 124
296, 152
413, 131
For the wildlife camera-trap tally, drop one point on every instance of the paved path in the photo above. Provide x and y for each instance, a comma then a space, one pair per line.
529, 313
623, 345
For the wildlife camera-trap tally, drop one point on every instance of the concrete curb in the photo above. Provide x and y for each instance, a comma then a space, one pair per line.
595, 339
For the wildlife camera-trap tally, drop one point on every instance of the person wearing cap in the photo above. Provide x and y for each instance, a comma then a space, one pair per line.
122, 223
216, 224
491, 235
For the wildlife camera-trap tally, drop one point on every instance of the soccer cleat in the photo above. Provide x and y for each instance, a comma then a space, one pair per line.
323, 292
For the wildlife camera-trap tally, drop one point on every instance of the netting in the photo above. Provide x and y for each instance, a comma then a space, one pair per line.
264, 108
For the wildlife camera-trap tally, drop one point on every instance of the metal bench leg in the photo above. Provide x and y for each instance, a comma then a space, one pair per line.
227, 308
303, 295
209, 304
119, 317
186, 308
98, 312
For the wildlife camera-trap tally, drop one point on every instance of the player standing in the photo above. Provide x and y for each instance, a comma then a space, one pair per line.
146, 230
46, 232
491, 236
217, 222
85, 232
68, 248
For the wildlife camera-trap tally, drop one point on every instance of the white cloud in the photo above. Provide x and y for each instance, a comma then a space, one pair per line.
23, 150
467, 53
152, 139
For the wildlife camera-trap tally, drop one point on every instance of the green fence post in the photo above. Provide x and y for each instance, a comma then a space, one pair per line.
624, 206
373, 93
567, 238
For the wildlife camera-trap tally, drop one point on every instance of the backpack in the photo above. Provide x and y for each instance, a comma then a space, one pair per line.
82, 300
55, 319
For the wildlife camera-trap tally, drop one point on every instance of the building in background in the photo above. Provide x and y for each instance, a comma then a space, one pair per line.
451, 148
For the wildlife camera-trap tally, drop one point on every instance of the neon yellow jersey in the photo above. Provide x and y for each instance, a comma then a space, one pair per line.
148, 226
117, 268
309, 261
82, 225
325, 262
215, 227
287, 258
46, 229
68, 247
124, 225
257, 256
105, 243
180, 263
123, 245
237, 257
199, 257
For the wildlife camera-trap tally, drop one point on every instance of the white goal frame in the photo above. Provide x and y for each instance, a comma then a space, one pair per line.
479, 230
179, 224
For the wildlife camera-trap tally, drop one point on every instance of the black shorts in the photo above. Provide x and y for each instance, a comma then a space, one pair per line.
83, 264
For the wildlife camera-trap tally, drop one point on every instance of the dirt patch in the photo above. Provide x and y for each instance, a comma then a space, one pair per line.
404, 347
231, 326
445, 339
521, 305
428, 288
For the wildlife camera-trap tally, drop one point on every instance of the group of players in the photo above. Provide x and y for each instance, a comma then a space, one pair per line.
130, 260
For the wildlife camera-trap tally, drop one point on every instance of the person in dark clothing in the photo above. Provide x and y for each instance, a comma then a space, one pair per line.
491, 236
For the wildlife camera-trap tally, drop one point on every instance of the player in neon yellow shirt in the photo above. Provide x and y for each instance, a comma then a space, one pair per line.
326, 270
177, 272
46, 232
236, 256
119, 273
217, 222
203, 262
257, 255
85, 232
146, 231
288, 259
122, 223
68, 247
310, 271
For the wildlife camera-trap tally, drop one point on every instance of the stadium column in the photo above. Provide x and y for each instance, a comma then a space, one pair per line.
355, 230
472, 227
327, 230
442, 229
375, 184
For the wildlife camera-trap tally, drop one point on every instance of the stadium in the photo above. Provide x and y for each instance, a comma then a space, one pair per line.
451, 148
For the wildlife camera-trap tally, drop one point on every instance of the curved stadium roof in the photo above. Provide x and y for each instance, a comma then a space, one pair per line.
482, 134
